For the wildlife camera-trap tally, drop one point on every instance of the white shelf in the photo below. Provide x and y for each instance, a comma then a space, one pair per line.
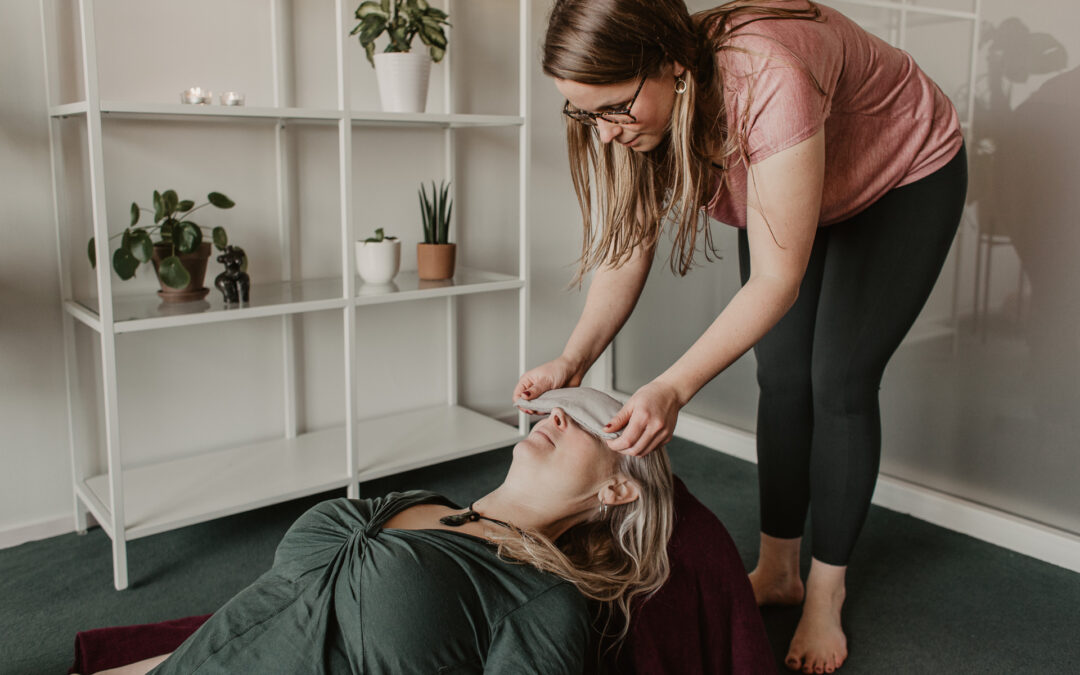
391, 444
179, 111
197, 488
133, 313
207, 483
146, 312
408, 286
435, 119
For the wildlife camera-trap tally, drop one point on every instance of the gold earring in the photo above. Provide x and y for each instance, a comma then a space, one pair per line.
680, 85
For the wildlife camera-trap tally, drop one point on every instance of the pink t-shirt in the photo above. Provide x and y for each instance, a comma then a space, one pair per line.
886, 123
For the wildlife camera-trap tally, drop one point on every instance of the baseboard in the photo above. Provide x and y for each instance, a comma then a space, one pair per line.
39, 529
1052, 545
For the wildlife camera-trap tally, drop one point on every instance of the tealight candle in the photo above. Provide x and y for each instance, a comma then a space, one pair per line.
196, 96
232, 98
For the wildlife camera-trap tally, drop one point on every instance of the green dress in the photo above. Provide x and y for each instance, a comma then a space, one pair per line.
345, 596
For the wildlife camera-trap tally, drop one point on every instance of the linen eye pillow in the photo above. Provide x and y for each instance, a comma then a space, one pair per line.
588, 407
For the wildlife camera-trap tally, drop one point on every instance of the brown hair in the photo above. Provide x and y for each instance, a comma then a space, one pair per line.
611, 41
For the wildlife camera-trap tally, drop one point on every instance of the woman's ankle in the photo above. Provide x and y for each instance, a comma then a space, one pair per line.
779, 556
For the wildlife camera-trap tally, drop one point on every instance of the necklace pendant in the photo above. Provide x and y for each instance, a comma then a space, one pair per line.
459, 519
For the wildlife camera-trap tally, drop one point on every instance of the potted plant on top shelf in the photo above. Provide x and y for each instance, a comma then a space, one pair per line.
402, 73
435, 256
178, 252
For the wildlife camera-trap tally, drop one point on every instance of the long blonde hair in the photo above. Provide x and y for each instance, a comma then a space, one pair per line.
619, 558
611, 41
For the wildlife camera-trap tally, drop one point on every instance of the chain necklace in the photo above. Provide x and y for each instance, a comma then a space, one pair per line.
470, 516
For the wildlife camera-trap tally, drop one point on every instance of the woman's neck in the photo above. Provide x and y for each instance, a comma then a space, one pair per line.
506, 505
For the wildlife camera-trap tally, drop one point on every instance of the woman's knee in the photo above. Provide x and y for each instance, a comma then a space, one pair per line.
843, 387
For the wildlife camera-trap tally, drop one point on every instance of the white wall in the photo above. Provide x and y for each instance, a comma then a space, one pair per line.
234, 390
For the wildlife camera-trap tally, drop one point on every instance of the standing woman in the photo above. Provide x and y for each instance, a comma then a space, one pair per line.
841, 163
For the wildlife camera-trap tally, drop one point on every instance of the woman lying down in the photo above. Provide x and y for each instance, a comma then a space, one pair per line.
412, 583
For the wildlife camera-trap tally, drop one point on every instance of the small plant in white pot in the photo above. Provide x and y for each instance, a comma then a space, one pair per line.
402, 73
435, 256
378, 258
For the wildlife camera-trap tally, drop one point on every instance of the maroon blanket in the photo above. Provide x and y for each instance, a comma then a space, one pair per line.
703, 621
104, 648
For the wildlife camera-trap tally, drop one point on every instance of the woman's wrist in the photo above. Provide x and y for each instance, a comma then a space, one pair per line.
576, 365
683, 389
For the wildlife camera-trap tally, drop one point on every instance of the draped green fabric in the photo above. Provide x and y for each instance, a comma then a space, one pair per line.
345, 596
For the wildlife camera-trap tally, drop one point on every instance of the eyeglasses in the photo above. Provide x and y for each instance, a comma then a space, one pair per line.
621, 116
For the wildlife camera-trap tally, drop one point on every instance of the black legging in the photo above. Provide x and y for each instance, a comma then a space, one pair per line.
820, 367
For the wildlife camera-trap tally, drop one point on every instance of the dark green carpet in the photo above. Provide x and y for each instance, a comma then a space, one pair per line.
920, 599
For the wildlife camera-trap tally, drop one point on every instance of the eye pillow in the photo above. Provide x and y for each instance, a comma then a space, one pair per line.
588, 407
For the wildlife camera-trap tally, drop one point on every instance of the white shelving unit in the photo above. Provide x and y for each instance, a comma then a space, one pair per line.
131, 502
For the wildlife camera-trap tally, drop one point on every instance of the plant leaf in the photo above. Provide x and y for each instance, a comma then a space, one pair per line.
166, 231
425, 215
185, 205
134, 213
432, 36
171, 200
124, 263
219, 200
172, 273
92, 253
370, 28
187, 237
159, 207
221, 240
140, 246
370, 7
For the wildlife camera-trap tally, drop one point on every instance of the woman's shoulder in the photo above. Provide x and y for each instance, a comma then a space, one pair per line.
756, 42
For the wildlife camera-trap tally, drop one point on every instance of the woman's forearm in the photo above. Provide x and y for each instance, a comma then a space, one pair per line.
754, 309
612, 296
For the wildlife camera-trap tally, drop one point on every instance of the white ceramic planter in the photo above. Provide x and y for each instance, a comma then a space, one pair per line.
403, 80
377, 262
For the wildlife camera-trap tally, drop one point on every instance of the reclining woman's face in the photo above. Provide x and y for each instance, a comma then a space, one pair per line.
561, 462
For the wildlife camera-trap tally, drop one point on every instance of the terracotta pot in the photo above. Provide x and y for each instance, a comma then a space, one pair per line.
194, 263
435, 261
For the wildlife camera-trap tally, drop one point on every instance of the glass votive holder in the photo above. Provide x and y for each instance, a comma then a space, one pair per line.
196, 96
232, 98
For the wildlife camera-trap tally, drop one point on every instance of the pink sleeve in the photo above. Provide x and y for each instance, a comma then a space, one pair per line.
785, 106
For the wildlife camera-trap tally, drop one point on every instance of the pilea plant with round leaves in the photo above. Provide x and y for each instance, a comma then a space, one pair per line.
171, 227
402, 20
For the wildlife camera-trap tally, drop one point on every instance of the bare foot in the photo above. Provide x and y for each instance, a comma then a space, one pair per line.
819, 644
776, 579
776, 587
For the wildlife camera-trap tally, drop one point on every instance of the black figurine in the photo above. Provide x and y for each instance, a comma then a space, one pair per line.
233, 283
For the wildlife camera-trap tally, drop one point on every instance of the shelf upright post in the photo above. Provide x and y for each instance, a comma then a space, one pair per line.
524, 82
105, 298
450, 155
71, 373
348, 261
282, 57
